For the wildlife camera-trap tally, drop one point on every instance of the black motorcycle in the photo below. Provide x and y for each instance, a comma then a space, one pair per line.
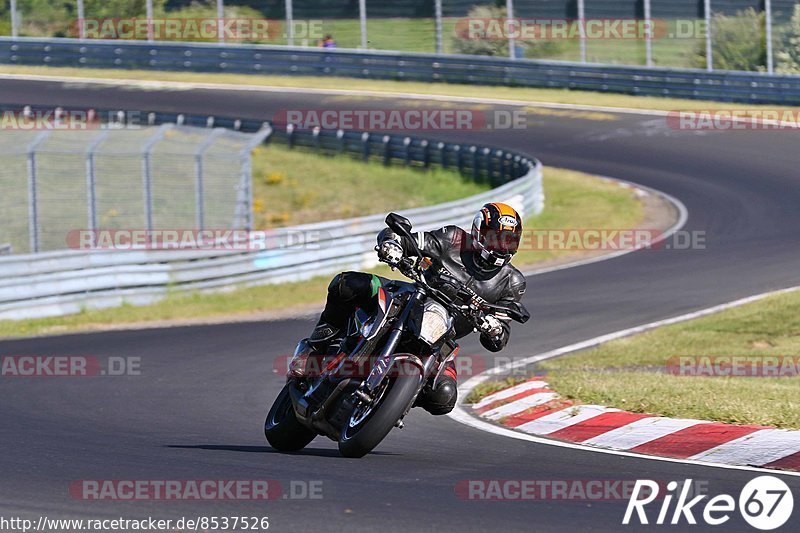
366, 383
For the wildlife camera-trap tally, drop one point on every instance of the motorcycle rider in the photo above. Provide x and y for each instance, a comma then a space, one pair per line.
480, 259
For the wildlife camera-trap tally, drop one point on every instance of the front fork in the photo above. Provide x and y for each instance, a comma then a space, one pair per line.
387, 358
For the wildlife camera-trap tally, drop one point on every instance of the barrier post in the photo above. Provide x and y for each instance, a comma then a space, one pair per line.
33, 205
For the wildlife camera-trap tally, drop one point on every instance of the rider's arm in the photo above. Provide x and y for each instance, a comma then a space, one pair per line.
430, 242
514, 292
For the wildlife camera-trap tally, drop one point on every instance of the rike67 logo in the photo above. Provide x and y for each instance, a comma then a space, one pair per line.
765, 503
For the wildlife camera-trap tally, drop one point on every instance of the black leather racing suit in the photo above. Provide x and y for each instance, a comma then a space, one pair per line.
451, 246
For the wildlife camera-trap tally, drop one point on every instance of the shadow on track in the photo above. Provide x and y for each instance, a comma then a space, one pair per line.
317, 452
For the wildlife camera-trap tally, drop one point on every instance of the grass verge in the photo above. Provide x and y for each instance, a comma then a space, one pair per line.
289, 186
631, 373
569, 195
559, 96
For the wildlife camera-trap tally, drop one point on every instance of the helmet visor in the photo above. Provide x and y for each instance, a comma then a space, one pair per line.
503, 242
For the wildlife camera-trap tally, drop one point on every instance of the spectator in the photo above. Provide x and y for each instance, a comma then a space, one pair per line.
327, 42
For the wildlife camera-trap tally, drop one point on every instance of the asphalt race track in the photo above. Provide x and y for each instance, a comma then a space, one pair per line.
197, 410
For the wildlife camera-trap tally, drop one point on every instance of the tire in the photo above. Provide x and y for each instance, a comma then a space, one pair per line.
282, 429
359, 441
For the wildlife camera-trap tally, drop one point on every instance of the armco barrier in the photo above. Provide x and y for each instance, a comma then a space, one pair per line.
64, 282
726, 86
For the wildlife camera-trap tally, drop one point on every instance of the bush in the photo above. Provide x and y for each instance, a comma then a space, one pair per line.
788, 57
739, 42
463, 44
208, 10
494, 46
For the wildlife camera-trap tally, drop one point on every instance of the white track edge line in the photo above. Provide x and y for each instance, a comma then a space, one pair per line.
459, 414
185, 85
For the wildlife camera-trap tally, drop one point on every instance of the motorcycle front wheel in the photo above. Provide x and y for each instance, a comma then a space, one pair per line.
370, 423
282, 429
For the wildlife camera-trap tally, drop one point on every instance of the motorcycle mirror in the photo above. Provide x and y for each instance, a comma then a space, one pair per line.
400, 224
516, 311
519, 313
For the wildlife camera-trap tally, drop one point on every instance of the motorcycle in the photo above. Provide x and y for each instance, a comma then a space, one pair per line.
367, 382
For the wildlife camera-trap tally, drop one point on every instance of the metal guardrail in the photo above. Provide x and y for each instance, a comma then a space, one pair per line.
64, 282
729, 86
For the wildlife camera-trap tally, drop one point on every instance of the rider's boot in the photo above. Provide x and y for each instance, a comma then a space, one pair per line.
323, 336
310, 354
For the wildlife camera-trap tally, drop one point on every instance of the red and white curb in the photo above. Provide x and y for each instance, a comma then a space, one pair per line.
532, 407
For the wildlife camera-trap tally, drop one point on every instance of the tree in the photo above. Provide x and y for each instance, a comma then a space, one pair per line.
739, 42
788, 58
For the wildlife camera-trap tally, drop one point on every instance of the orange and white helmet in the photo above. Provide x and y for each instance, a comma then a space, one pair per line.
496, 232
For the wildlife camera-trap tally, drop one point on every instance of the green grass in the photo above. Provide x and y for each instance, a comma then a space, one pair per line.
291, 185
572, 202
566, 193
629, 373
559, 96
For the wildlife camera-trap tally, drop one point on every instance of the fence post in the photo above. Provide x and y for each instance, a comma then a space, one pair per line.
473, 152
14, 21
768, 21
290, 136
709, 48
582, 29
362, 15
512, 50
199, 171
387, 152
315, 139
340, 138
289, 23
81, 21
91, 185
33, 206
220, 21
365, 145
438, 23
150, 32
246, 179
648, 36
147, 172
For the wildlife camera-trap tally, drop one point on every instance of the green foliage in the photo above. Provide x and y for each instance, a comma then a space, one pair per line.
207, 9
121, 9
488, 46
492, 45
788, 58
739, 42
5, 21
46, 18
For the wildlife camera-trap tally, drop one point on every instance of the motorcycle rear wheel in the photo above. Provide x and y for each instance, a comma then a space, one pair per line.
282, 429
360, 439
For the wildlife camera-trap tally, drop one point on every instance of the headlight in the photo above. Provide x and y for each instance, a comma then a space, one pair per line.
435, 323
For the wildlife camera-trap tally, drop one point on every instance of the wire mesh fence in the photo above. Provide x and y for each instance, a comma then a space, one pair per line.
59, 182
715, 34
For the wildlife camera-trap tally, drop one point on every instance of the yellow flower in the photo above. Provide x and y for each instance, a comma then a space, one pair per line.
275, 178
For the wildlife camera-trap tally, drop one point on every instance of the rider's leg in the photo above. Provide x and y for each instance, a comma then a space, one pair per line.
346, 292
441, 398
